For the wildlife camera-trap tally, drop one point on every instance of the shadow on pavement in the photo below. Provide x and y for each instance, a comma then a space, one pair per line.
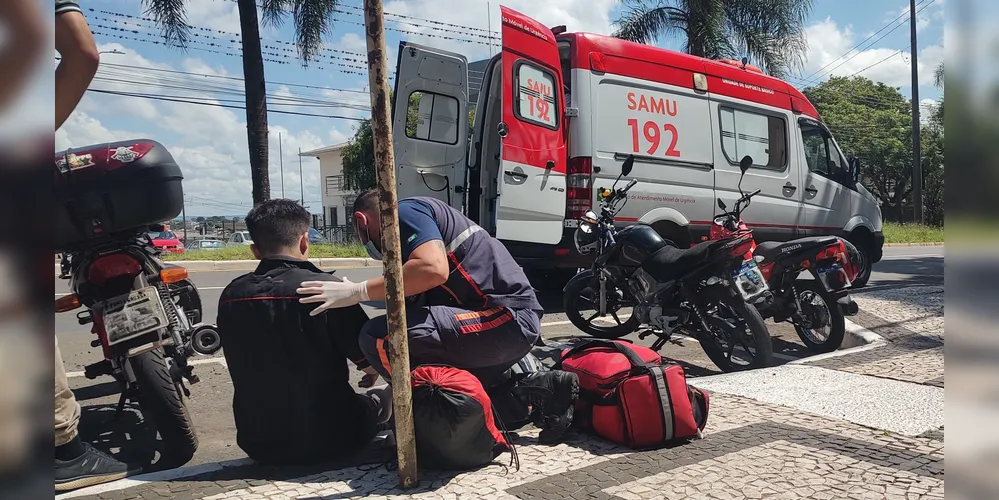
129, 439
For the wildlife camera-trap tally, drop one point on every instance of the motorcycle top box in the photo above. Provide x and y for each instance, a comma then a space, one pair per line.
107, 190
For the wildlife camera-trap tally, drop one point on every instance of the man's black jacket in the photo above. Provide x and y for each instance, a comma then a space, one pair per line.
293, 400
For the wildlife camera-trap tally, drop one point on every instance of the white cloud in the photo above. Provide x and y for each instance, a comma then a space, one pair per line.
830, 54
221, 16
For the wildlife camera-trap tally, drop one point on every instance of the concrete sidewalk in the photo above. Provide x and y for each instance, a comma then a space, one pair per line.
862, 423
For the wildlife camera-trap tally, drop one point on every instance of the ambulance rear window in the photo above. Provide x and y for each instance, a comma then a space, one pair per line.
534, 95
432, 117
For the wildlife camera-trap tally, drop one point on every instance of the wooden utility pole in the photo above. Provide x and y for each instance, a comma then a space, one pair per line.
395, 304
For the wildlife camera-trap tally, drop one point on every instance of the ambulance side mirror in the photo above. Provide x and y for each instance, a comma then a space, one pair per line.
627, 165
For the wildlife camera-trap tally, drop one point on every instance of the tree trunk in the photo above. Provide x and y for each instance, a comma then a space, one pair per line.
256, 100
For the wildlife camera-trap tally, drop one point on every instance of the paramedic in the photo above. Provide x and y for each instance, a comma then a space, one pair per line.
474, 308
292, 401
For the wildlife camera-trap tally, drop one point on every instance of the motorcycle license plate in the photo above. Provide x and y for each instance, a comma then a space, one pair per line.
749, 280
133, 314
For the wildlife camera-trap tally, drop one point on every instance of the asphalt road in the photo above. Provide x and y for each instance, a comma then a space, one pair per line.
210, 401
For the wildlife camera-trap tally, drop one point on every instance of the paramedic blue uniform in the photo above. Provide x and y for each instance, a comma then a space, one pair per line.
483, 319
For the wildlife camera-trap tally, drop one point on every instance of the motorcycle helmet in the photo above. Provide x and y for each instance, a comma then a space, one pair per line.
586, 238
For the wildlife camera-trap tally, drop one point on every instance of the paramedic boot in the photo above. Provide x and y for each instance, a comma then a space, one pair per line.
554, 393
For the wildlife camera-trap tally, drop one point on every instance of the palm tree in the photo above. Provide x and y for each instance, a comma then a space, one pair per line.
313, 21
769, 32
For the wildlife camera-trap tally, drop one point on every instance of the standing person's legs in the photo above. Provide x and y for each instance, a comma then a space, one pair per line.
67, 410
77, 464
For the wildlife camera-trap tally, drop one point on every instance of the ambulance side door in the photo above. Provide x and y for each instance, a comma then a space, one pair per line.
532, 182
430, 123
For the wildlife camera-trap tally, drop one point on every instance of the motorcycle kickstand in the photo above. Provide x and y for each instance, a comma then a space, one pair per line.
120, 409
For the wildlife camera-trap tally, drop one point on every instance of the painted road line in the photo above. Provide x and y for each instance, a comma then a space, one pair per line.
161, 476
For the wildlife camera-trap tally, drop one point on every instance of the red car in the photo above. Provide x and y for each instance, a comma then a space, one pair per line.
166, 241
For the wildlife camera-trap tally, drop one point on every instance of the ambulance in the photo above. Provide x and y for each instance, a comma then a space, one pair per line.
558, 113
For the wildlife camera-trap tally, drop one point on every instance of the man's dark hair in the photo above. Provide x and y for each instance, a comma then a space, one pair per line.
366, 202
277, 224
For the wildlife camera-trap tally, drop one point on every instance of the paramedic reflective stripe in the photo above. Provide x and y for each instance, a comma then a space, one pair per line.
481, 321
668, 424
462, 237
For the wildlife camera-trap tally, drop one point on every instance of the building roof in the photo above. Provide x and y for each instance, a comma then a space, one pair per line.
325, 149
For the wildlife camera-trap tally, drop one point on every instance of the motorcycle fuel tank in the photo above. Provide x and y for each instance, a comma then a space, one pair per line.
637, 243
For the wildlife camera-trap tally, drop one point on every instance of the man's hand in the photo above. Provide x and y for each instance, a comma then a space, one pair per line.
332, 294
369, 378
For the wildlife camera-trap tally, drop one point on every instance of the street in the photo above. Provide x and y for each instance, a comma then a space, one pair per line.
210, 401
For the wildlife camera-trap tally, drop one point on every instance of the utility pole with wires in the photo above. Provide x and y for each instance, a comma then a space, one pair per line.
301, 181
917, 163
281, 161
388, 209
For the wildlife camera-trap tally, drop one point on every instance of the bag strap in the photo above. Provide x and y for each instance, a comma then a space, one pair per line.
636, 362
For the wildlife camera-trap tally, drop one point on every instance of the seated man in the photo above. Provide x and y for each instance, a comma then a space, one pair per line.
478, 311
293, 402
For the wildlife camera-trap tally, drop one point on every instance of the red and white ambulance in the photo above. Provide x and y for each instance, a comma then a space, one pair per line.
558, 113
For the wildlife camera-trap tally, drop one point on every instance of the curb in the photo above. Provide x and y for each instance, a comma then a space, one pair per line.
249, 265
166, 475
931, 244
857, 339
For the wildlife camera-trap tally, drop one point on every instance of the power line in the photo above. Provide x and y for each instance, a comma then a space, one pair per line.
230, 106
855, 47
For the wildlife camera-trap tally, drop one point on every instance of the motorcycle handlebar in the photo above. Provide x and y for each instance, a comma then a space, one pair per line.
630, 185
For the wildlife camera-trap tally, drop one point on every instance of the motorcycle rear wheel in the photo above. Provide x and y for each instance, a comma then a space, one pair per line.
164, 406
750, 318
809, 290
580, 294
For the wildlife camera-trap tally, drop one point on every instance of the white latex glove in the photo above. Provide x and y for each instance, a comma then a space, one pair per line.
332, 294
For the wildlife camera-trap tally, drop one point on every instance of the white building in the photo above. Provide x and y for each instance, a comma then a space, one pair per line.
336, 201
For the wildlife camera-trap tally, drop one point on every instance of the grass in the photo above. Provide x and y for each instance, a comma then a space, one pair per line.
243, 253
912, 233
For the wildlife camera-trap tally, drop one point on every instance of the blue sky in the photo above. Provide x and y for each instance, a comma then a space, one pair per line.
210, 141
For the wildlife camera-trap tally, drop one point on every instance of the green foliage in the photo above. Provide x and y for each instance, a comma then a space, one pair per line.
872, 121
769, 33
912, 233
242, 252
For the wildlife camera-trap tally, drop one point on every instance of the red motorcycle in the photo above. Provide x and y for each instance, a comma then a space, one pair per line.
817, 308
145, 313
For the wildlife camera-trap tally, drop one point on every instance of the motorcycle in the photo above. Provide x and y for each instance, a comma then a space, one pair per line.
705, 291
817, 307
147, 318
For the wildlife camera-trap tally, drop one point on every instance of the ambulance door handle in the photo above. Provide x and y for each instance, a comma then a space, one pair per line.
514, 173
811, 190
502, 130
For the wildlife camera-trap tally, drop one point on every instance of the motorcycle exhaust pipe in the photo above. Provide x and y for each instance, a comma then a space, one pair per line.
205, 340
848, 306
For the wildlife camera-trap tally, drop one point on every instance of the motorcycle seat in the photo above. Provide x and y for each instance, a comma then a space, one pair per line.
670, 263
772, 250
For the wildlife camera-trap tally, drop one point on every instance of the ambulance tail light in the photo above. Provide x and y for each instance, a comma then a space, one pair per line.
579, 190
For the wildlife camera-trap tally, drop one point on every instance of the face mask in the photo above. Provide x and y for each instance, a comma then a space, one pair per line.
370, 247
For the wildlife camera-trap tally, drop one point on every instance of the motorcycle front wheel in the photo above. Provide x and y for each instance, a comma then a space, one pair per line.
582, 307
163, 405
738, 332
